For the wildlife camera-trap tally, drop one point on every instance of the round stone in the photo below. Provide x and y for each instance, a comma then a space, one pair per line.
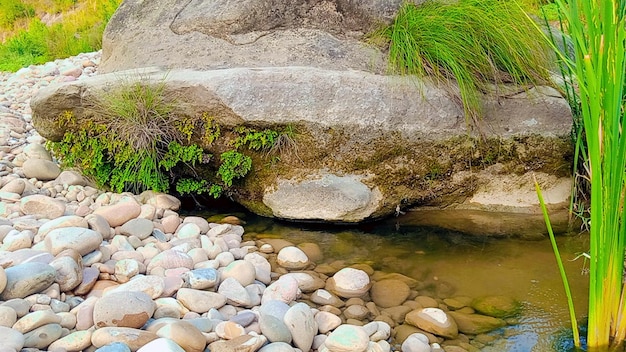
162, 345
123, 309
27, 278
292, 258
133, 338
170, 259
389, 293
11, 338
43, 170
43, 336
36, 319
79, 239
185, 334
200, 301
434, 321
416, 342
119, 213
301, 323
349, 282
241, 270
140, 228
8, 316
347, 338
42, 207
327, 321
228, 330
75, 341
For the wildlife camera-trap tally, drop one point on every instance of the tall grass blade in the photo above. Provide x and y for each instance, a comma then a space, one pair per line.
559, 261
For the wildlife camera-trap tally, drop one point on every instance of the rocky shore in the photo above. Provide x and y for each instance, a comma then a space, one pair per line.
82, 269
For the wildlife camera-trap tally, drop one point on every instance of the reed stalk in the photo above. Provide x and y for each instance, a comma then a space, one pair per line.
598, 30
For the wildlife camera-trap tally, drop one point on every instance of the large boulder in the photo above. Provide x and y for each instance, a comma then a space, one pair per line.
367, 144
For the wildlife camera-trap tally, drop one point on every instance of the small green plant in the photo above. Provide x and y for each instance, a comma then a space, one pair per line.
132, 140
475, 43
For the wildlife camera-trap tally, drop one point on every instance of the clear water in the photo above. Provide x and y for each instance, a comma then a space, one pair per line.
452, 263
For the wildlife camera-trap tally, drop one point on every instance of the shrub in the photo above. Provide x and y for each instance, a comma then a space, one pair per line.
474, 43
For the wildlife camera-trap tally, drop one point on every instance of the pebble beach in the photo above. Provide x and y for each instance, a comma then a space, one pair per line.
83, 269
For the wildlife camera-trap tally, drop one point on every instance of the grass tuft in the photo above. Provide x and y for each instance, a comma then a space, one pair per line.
475, 43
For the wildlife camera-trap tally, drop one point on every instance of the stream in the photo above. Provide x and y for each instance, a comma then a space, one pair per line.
452, 263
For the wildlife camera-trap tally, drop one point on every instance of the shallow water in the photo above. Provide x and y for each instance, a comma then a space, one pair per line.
450, 263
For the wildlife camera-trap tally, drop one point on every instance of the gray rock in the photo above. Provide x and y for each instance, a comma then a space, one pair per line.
201, 279
114, 347
79, 239
43, 170
369, 112
42, 206
235, 293
11, 338
349, 282
274, 329
63, 221
301, 323
170, 259
8, 316
123, 309
200, 301
33, 320
43, 336
27, 278
37, 151
292, 258
416, 343
151, 285
241, 270
69, 269
277, 347
141, 228
71, 178
162, 345
284, 289
347, 338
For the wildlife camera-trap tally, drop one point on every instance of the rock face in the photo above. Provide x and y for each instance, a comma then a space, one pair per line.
366, 143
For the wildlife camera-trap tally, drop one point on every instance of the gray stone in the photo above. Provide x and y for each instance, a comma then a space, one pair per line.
292, 258
301, 323
36, 319
79, 239
277, 347
141, 228
114, 347
416, 342
349, 282
347, 338
42, 206
71, 178
151, 285
63, 221
75, 341
162, 345
69, 270
274, 329
241, 270
201, 279
43, 170
235, 293
8, 316
11, 338
123, 309
368, 111
200, 301
27, 278
43, 336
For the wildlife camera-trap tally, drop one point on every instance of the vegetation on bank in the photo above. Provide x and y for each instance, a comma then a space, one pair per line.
134, 140
72, 27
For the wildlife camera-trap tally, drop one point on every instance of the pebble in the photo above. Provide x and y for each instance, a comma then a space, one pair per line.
27, 278
347, 338
123, 309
